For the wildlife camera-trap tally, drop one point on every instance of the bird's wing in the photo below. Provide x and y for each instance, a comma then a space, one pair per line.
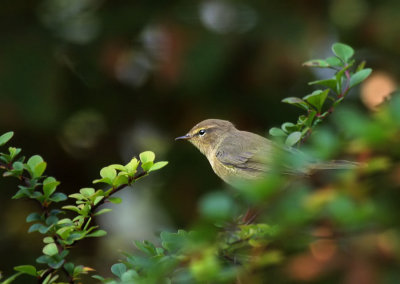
246, 151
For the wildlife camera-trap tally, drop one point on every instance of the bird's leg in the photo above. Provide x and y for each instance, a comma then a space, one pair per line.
250, 216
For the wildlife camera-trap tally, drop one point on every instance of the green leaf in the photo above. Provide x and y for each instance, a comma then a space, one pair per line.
58, 197
120, 180
158, 166
98, 233
69, 267
174, 241
361, 66
36, 166
359, 76
330, 83
146, 166
48, 240
11, 278
117, 167
98, 277
146, 247
39, 169
115, 200
316, 63
340, 76
64, 232
87, 191
334, 61
77, 196
72, 208
132, 166
310, 119
43, 259
50, 249
38, 227
26, 269
317, 99
64, 221
129, 276
51, 220
6, 137
97, 200
147, 156
108, 173
55, 264
296, 102
104, 180
288, 127
49, 186
343, 51
44, 229
293, 138
14, 152
118, 269
18, 166
33, 217
277, 132
102, 211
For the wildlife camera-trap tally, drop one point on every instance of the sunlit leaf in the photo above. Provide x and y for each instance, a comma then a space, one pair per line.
147, 156
115, 200
293, 138
50, 249
158, 166
334, 61
147, 165
6, 137
277, 132
343, 51
98, 233
359, 76
108, 173
49, 186
26, 269
87, 191
102, 211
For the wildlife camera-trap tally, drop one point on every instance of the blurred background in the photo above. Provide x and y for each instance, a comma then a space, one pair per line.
88, 83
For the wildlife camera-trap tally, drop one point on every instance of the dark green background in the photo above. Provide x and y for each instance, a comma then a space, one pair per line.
90, 83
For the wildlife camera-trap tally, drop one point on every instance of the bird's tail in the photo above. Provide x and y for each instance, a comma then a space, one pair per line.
335, 165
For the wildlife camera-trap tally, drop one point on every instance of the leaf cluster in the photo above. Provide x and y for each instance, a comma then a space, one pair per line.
62, 234
322, 102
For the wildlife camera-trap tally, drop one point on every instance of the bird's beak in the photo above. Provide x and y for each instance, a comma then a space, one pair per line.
184, 137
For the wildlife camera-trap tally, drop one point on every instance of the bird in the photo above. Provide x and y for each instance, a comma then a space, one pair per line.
240, 156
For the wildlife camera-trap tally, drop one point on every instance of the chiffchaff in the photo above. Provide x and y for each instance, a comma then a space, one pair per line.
237, 156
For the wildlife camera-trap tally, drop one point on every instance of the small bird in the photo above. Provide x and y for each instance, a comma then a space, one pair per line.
237, 156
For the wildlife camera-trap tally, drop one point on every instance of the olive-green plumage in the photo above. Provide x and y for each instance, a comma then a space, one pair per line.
237, 155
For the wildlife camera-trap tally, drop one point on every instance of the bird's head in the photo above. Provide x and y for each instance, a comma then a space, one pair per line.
207, 134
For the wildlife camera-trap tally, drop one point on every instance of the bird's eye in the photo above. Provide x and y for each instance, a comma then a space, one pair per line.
202, 132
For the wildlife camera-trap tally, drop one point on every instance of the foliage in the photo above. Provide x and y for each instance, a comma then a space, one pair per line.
307, 229
302, 226
316, 104
62, 234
